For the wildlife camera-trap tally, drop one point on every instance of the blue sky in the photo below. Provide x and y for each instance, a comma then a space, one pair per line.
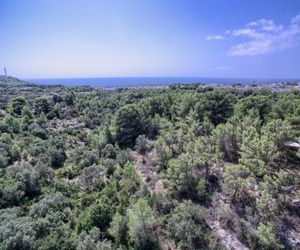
91, 38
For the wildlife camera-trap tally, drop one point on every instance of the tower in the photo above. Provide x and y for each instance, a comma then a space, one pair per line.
5, 73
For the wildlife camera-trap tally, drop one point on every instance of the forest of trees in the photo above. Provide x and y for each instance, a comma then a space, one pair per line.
170, 168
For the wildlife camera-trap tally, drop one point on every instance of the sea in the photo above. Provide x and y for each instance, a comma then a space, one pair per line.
128, 82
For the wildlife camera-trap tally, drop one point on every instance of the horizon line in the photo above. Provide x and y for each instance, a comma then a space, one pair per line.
137, 77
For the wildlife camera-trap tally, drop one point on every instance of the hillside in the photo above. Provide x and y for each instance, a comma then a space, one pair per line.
12, 81
185, 167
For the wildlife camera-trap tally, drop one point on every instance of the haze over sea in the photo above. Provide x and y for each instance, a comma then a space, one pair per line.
115, 82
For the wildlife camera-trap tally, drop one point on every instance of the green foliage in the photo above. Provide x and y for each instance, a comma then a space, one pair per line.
92, 240
128, 125
109, 151
69, 99
278, 132
26, 179
266, 204
260, 102
218, 105
162, 153
36, 130
99, 215
58, 157
224, 214
181, 178
266, 236
16, 105
187, 226
3, 158
42, 105
226, 141
236, 180
141, 144
256, 150
141, 223
92, 178
101, 139
131, 181
16, 233
13, 124
26, 115
84, 168
52, 203
118, 229
287, 108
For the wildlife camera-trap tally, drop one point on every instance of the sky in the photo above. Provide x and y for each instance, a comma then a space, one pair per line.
150, 38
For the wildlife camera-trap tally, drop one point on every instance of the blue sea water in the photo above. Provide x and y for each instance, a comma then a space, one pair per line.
115, 82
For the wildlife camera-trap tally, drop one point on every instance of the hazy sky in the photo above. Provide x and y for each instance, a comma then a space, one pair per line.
90, 38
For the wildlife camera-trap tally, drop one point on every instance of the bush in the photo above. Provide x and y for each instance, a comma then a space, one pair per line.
266, 236
141, 220
16, 233
141, 144
224, 214
27, 178
16, 105
58, 157
92, 178
128, 125
188, 227
109, 151
49, 204
99, 215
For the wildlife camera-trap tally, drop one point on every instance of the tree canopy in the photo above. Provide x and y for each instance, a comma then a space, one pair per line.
180, 167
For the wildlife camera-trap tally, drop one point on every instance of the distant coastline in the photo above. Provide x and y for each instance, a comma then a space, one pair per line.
117, 82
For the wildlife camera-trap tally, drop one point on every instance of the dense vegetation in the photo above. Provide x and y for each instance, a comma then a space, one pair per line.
83, 168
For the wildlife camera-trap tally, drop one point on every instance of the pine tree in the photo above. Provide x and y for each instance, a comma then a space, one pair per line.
204, 153
236, 180
141, 220
256, 151
266, 236
128, 125
162, 153
131, 180
181, 179
266, 204
225, 139
118, 228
